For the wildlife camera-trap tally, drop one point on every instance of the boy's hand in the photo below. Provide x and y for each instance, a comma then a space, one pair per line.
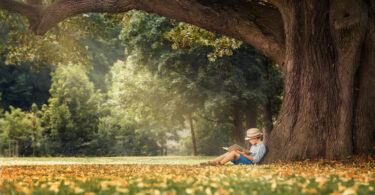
244, 152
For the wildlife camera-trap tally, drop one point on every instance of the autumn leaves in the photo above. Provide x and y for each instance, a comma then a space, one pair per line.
280, 178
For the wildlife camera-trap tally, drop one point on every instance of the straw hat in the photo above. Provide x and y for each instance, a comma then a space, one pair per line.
252, 133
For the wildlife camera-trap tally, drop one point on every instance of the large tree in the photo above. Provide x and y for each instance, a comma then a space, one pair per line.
326, 50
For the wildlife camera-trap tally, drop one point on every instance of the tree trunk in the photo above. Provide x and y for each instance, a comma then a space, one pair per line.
251, 116
323, 42
195, 153
34, 140
267, 120
364, 123
239, 132
251, 120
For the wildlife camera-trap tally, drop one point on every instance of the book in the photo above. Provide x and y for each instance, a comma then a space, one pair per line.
236, 147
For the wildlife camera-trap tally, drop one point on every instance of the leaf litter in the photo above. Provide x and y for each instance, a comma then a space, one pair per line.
300, 177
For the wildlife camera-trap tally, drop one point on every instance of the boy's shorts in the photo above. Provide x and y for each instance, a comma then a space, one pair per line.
242, 160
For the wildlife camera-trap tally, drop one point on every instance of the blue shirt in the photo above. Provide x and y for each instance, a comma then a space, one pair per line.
257, 151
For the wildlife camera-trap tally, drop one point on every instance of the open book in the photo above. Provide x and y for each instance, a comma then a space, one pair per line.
236, 147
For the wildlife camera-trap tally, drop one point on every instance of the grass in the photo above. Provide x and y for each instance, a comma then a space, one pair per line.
181, 175
169, 160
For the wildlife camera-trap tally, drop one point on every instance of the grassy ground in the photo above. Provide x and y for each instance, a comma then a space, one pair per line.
181, 175
169, 160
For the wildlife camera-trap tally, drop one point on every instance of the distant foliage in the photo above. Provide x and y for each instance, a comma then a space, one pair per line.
21, 126
72, 116
210, 138
130, 125
103, 53
59, 45
21, 86
187, 35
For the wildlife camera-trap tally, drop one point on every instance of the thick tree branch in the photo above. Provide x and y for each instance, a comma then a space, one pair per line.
35, 2
63, 9
32, 12
253, 22
15, 6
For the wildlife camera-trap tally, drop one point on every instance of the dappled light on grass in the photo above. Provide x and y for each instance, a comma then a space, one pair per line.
321, 177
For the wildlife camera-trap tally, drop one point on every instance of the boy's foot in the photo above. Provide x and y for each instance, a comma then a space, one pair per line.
212, 163
220, 164
205, 163
216, 164
209, 163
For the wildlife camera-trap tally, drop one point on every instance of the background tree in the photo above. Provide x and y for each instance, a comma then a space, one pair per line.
172, 100
132, 118
210, 137
23, 127
21, 85
104, 51
71, 118
36, 129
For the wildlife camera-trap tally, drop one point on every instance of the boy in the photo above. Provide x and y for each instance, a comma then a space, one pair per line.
257, 151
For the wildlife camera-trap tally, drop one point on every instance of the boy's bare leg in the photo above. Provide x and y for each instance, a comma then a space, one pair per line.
220, 158
230, 156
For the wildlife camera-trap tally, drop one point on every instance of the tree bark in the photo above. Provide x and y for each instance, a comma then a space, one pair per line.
239, 132
321, 59
251, 121
267, 120
251, 116
195, 153
364, 123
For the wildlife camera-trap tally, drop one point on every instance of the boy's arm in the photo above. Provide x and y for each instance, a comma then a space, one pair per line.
258, 156
241, 149
246, 155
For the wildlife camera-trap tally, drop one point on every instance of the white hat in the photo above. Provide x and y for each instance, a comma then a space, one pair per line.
252, 133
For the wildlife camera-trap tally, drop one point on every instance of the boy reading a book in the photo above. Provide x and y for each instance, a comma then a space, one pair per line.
239, 156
